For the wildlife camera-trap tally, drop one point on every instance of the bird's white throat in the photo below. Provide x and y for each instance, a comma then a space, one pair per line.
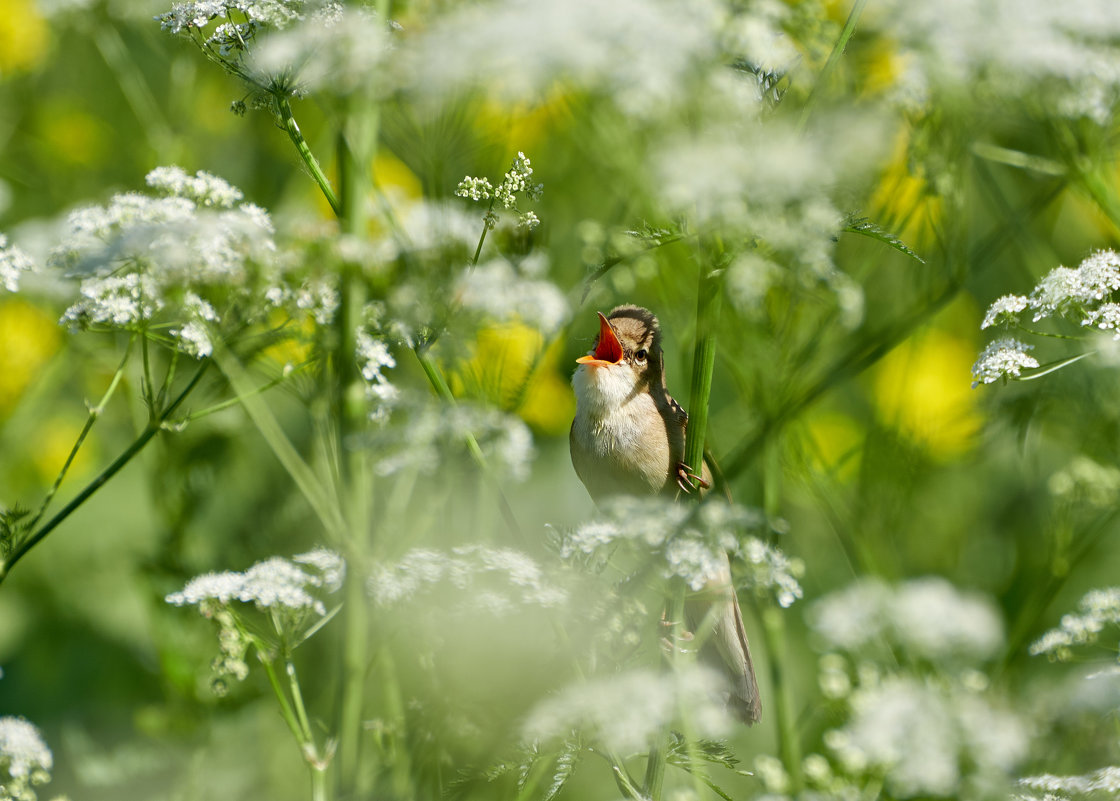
611, 414
601, 391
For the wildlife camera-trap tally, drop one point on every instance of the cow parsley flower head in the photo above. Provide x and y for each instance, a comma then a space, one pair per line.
203, 188
926, 618
1004, 310
503, 292
337, 49
1006, 357
688, 541
289, 592
25, 759
1106, 317
13, 263
926, 740
514, 185
434, 431
274, 583
1098, 609
625, 712
167, 262
480, 578
642, 55
1104, 782
373, 357
1064, 289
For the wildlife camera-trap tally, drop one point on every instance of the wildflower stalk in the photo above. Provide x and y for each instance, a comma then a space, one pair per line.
789, 747
284, 110
833, 60
658, 755
155, 425
94, 415
353, 468
708, 299
295, 716
482, 237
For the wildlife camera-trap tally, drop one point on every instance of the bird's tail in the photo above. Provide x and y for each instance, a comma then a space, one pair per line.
727, 649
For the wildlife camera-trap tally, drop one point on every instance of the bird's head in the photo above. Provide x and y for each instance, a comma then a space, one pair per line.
626, 358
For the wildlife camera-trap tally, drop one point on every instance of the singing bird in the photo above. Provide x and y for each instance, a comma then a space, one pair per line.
628, 438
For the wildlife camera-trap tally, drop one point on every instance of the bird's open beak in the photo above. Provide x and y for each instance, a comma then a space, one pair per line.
608, 350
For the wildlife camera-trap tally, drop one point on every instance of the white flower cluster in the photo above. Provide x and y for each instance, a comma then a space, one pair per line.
515, 182
338, 48
373, 356
434, 430
495, 580
202, 187
1087, 481
1005, 311
926, 618
1067, 291
925, 740
275, 583
147, 262
197, 14
502, 291
766, 178
1099, 608
627, 711
1105, 781
692, 541
1064, 54
642, 53
25, 759
1006, 357
13, 263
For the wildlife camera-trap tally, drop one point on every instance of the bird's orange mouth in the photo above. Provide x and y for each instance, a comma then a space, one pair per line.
608, 350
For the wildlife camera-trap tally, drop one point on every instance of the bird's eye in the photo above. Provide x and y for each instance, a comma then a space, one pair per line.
641, 355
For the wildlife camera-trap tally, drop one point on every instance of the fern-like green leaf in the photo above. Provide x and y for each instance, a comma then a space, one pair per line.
864, 227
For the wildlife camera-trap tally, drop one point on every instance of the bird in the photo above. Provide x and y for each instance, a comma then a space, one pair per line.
628, 439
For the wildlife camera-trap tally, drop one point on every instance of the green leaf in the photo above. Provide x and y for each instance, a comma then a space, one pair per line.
864, 227
565, 766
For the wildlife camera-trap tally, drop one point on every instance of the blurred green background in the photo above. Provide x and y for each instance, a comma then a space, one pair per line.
867, 439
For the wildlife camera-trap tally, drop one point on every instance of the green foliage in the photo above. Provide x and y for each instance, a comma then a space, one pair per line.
348, 341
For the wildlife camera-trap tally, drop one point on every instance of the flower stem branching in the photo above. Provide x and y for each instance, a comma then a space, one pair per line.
155, 425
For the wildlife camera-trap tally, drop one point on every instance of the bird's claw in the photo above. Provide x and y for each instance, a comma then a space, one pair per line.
688, 481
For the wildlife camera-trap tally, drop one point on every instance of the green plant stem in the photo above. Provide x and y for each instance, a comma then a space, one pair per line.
145, 436
658, 755
708, 299
296, 718
284, 110
353, 461
833, 60
789, 747
485, 230
94, 414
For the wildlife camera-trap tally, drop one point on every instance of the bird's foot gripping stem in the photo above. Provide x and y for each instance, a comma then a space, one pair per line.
689, 482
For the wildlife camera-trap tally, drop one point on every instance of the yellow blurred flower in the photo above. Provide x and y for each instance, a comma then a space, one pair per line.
905, 202
72, 136
23, 36
28, 338
521, 125
511, 367
922, 389
836, 443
